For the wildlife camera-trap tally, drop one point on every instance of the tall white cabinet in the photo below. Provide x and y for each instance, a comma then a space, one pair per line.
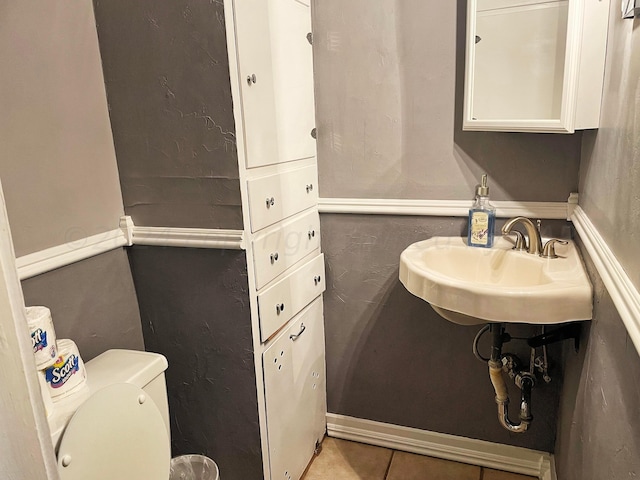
271, 67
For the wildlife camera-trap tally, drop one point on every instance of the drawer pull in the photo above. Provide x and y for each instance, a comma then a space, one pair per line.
309, 187
295, 336
270, 202
312, 233
279, 308
317, 279
273, 257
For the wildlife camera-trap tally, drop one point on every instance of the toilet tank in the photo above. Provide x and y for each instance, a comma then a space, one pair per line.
143, 369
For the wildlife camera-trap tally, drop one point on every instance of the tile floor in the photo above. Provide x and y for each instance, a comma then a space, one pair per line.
343, 460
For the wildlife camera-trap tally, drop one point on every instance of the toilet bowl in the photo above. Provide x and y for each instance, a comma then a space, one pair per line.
118, 427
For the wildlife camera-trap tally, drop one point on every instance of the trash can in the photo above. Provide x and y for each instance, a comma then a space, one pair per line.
193, 467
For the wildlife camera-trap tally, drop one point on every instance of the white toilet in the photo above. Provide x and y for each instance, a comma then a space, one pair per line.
118, 427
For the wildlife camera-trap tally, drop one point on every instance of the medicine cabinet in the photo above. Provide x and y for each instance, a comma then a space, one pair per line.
534, 65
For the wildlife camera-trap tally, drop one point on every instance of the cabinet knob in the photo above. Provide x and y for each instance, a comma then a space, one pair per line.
279, 308
270, 202
317, 279
309, 188
312, 233
310, 38
314, 133
251, 79
274, 257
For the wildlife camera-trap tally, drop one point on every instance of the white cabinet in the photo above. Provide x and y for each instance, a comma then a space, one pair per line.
534, 65
278, 196
278, 303
282, 246
272, 82
276, 76
294, 374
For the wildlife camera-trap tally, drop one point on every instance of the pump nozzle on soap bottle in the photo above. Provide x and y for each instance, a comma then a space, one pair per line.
482, 218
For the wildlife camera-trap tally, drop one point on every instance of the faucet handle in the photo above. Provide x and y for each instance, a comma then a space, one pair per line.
521, 242
549, 250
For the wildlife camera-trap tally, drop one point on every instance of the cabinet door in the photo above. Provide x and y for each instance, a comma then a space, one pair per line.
294, 377
276, 72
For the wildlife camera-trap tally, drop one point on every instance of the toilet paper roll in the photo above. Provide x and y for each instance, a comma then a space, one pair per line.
67, 375
43, 336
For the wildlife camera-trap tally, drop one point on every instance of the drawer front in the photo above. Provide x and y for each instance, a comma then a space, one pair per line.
295, 385
281, 247
282, 301
275, 197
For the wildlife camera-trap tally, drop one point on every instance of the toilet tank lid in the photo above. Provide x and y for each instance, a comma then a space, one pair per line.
124, 366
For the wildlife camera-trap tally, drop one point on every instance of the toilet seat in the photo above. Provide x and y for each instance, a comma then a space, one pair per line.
118, 433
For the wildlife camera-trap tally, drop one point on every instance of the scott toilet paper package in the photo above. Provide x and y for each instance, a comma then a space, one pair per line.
67, 374
43, 336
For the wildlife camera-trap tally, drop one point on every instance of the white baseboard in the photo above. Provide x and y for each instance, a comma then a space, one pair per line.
450, 447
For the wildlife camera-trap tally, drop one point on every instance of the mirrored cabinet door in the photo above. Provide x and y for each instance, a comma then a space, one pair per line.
534, 65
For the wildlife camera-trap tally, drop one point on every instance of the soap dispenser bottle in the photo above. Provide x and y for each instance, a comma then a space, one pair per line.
482, 217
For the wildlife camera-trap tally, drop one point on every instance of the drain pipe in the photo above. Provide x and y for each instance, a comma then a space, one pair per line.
524, 380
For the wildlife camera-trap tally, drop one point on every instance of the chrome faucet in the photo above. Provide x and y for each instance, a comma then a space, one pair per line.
535, 243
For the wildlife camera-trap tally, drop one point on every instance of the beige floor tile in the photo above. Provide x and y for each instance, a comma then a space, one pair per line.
342, 460
407, 466
498, 475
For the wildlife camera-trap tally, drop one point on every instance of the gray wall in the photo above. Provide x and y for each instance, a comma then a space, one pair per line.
58, 166
167, 77
599, 433
389, 103
195, 310
58, 169
389, 98
391, 358
598, 430
92, 302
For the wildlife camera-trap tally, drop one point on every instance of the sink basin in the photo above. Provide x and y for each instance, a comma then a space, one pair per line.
469, 286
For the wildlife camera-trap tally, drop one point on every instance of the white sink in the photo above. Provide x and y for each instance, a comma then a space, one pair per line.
469, 285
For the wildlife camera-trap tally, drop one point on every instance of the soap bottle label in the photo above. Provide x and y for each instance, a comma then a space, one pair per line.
480, 228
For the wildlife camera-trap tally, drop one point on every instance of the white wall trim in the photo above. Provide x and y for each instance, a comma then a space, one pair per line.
623, 292
55, 257
450, 447
189, 237
441, 208
128, 234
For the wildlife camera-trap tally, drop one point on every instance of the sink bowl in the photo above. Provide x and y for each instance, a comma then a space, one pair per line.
469, 286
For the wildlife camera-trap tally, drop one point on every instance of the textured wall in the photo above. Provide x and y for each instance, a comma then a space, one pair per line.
598, 429
610, 167
389, 101
391, 358
389, 96
58, 166
59, 171
195, 310
599, 433
167, 78
93, 302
